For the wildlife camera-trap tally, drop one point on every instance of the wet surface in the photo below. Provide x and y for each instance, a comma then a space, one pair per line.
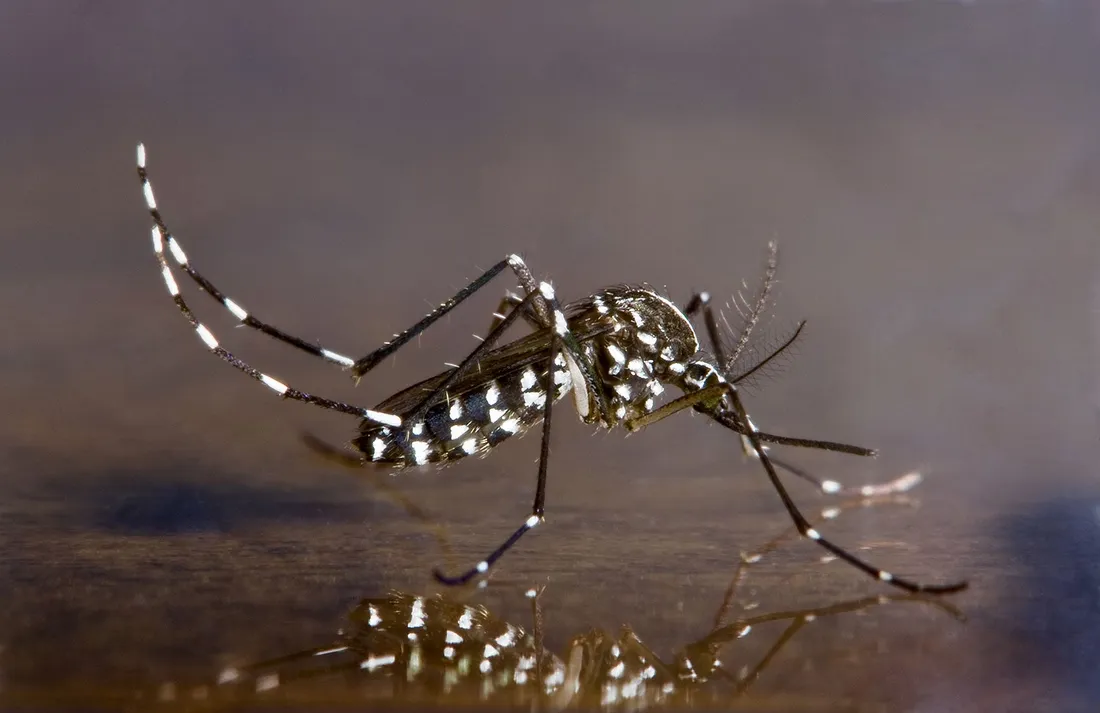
930, 170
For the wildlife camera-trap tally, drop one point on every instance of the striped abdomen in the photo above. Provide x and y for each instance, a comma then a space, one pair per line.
467, 423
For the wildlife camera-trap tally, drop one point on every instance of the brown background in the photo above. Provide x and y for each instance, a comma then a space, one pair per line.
931, 170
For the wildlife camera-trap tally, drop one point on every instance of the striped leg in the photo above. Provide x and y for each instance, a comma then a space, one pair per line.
162, 238
358, 367
547, 309
700, 302
735, 417
803, 525
234, 307
538, 508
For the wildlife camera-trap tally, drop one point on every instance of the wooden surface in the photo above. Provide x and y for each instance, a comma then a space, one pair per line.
930, 170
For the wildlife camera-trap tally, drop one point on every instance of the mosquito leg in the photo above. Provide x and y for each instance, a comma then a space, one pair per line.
234, 307
545, 305
538, 507
359, 367
806, 530
700, 303
507, 304
748, 559
729, 420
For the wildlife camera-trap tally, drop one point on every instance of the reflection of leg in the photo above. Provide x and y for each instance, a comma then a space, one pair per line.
799, 619
902, 484
380, 483
809, 532
747, 559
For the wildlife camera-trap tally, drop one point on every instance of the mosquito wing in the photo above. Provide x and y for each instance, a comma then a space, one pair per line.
510, 358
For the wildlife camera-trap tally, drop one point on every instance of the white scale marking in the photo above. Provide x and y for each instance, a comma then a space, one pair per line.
331, 356
466, 620
416, 615
384, 418
470, 446
141, 155
496, 414
147, 189
206, 336
173, 288
374, 662
532, 521
560, 325
453, 637
274, 384
510, 425
527, 379
534, 398
177, 251
158, 243
637, 367
378, 447
616, 353
456, 410
623, 390
646, 338
236, 309
458, 430
492, 394
267, 682
420, 451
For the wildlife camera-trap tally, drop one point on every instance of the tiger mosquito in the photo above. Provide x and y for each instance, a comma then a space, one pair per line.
615, 351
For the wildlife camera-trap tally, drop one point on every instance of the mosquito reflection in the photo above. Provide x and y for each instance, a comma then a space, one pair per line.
435, 649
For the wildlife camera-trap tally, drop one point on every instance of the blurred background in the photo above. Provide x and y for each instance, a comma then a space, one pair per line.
931, 171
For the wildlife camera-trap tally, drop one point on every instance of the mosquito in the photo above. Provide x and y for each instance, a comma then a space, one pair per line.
615, 352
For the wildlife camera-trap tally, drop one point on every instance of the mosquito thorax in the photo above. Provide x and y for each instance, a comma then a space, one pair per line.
650, 345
